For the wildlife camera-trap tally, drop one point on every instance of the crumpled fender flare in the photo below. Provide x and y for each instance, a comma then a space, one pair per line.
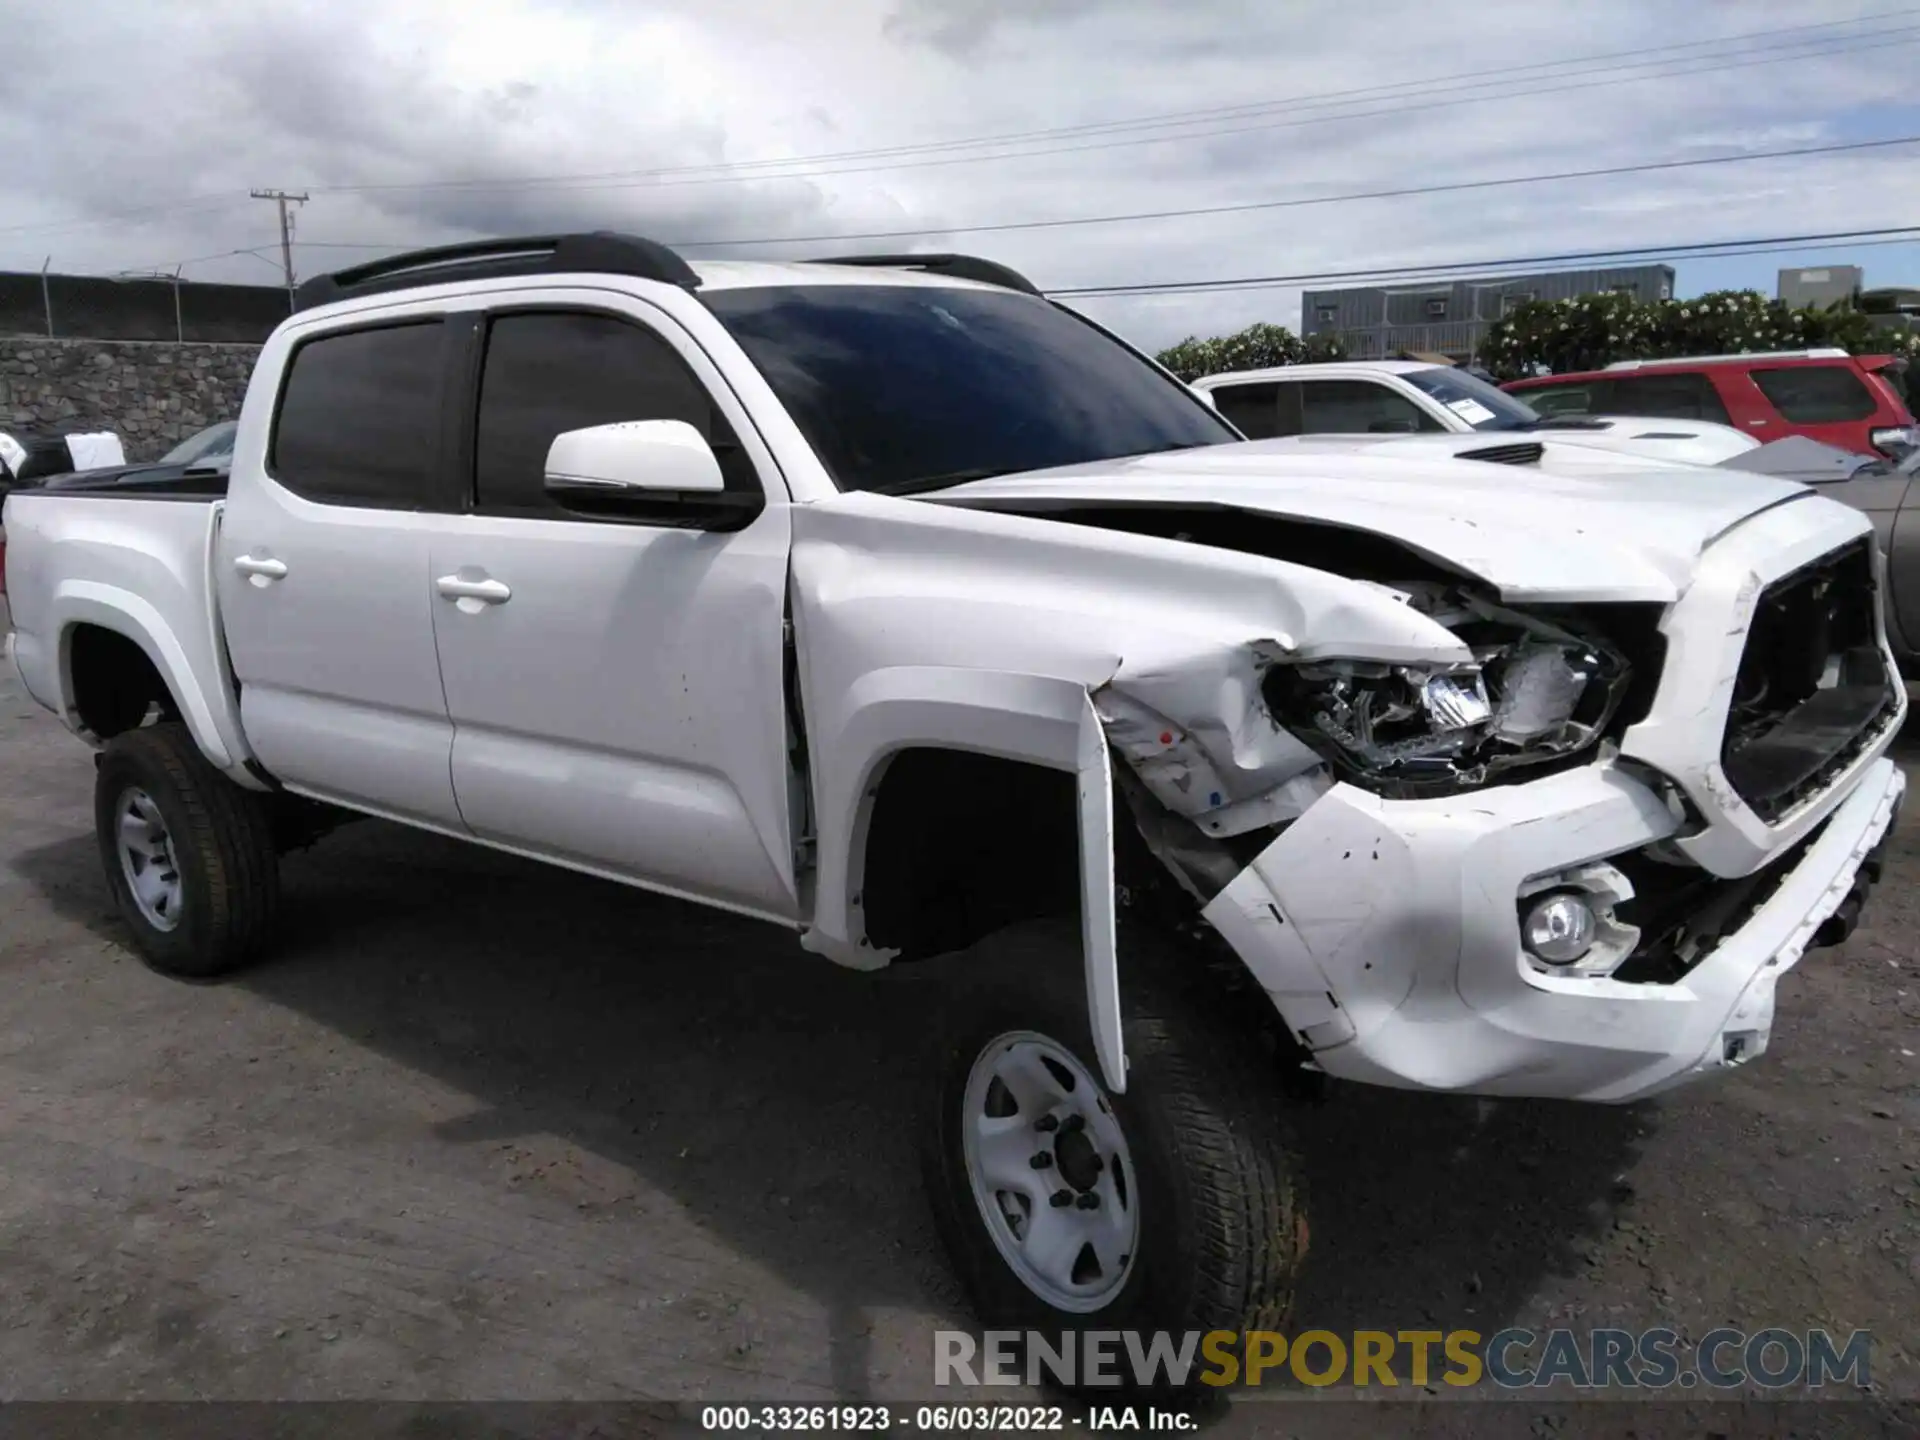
1030, 718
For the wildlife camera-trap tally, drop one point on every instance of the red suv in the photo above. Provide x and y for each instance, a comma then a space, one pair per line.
1852, 401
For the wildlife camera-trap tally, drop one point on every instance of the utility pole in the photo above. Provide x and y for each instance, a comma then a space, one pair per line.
283, 199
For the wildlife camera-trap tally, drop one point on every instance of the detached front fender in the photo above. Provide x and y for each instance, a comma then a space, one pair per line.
1028, 718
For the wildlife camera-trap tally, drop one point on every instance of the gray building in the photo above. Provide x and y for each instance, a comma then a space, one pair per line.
1821, 286
1450, 317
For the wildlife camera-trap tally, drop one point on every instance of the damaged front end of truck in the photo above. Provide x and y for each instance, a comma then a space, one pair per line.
1226, 747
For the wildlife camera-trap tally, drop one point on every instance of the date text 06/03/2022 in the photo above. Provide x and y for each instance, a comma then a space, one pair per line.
963, 1418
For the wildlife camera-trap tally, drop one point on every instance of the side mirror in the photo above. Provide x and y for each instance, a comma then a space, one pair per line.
647, 472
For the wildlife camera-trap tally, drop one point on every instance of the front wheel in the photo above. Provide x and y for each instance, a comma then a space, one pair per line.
1170, 1207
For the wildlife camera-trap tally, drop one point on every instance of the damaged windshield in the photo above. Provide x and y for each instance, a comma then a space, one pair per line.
912, 387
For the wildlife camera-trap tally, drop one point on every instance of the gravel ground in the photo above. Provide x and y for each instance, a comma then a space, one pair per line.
486, 1130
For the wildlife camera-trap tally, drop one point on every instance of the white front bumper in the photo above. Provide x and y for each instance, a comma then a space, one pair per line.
1387, 934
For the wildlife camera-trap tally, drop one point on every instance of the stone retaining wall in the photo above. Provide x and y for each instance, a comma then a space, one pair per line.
153, 394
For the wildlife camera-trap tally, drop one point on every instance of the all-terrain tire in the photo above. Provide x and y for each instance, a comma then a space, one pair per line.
217, 838
1221, 1229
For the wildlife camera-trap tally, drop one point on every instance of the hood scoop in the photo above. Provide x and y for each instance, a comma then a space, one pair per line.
1527, 452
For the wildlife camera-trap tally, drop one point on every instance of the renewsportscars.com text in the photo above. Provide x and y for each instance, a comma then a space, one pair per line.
1724, 1359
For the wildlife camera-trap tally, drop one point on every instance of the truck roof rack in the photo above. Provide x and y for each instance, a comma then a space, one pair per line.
1825, 353
960, 267
603, 252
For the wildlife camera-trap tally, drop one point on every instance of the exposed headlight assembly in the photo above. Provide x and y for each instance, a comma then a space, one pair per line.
1388, 716
1535, 692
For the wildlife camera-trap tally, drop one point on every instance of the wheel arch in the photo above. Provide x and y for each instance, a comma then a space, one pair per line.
1012, 719
83, 612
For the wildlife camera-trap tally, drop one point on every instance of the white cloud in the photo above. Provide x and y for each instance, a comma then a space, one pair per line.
114, 105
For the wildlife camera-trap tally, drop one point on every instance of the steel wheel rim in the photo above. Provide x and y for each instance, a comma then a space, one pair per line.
147, 861
1027, 1097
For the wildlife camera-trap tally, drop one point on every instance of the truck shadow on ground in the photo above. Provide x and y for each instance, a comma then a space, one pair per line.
772, 1095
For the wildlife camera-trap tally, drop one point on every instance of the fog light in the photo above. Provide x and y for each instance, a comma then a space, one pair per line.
1559, 928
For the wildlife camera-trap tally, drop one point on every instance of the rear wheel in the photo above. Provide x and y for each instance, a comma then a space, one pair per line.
1066, 1207
188, 854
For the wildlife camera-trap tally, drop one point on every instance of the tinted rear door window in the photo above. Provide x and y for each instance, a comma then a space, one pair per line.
1668, 397
358, 416
1816, 394
550, 372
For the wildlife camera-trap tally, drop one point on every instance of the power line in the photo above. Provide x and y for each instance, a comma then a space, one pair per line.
696, 175
1296, 202
1638, 59
1465, 269
1902, 235
1187, 117
172, 268
1401, 193
1699, 250
253, 250
1184, 117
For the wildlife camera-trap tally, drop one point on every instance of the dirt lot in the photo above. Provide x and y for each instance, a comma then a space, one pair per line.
487, 1130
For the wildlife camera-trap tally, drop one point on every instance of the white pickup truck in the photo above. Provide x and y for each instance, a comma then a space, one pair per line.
890, 603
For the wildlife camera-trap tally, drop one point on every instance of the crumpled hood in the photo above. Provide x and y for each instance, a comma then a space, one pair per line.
1634, 536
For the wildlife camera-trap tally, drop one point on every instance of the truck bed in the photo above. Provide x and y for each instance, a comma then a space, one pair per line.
139, 565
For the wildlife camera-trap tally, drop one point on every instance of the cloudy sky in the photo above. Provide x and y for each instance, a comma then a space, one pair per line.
133, 130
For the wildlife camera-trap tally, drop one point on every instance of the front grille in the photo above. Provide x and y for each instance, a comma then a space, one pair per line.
1814, 688
1525, 452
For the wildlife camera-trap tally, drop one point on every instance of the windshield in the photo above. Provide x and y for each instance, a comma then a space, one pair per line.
210, 445
1483, 406
904, 388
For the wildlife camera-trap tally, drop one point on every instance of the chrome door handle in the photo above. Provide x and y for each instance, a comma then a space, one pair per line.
259, 568
491, 592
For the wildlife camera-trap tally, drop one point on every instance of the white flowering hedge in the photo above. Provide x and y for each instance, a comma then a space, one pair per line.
1586, 333
1590, 331
1255, 348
